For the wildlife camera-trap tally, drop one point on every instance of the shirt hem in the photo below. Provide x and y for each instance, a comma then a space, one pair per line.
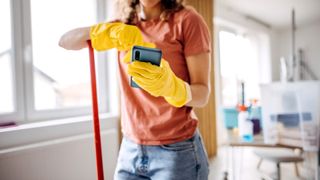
161, 142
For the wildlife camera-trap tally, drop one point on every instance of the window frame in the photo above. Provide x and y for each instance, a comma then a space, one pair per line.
261, 38
22, 70
17, 70
218, 29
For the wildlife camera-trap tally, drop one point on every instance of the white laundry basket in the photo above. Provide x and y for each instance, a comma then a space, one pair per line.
290, 113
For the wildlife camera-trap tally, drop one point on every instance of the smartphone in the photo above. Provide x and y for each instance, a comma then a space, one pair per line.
144, 54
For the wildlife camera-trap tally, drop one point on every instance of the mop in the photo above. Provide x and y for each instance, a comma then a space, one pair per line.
95, 108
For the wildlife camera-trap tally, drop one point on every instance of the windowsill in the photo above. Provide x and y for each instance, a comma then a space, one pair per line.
54, 122
32, 132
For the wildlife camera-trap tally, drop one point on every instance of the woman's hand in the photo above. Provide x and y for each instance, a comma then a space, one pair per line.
160, 81
118, 35
75, 39
104, 36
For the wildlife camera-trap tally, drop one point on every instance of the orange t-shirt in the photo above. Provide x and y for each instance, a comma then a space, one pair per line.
151, 120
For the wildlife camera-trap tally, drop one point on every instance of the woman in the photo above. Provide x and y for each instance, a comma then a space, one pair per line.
161, 141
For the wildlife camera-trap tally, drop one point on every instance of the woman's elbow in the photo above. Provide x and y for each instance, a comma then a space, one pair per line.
75, 39
205, 98
202, 98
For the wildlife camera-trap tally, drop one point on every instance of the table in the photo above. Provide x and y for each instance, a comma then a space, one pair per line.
235, 141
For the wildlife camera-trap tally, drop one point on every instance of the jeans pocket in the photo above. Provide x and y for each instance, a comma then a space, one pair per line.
203, 150
180, 146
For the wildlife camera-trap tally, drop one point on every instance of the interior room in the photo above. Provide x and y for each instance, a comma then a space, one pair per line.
270, 40
67, 108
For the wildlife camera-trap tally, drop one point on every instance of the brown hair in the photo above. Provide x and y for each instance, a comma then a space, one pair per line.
127, 9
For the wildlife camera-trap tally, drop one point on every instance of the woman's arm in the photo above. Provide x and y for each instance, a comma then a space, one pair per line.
199, 67
104, 36
75, 39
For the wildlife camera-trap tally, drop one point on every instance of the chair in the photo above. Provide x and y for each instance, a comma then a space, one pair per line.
281, 155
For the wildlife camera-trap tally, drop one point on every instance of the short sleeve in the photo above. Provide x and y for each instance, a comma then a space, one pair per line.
196, 34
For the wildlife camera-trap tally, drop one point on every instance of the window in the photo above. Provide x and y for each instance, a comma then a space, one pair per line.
40, 80
239, 62
6, 70
61, 78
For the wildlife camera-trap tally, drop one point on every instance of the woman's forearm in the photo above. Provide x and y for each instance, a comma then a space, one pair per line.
75, 39
200, 95
199, 67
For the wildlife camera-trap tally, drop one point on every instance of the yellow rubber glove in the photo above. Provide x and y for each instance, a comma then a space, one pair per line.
160, 81
106, 36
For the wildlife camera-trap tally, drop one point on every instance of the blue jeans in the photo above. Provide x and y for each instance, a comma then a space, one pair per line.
185, 160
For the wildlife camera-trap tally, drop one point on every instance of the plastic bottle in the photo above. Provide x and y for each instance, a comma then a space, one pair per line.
255, 116
245, 125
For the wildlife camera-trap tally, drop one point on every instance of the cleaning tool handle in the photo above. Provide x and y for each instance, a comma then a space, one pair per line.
97, 137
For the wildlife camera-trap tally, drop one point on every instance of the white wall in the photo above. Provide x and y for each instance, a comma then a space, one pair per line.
307, 38
57, 152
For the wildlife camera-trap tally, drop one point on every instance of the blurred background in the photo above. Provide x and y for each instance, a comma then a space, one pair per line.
261, 122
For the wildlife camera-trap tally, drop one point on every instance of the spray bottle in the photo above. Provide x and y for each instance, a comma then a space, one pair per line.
245, 125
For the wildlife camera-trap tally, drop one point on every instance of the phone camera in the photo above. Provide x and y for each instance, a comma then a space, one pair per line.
137, 55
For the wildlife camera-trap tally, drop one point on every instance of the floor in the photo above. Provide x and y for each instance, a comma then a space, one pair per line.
246, 169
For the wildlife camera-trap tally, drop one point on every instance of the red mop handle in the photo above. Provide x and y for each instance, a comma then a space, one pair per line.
97, 138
